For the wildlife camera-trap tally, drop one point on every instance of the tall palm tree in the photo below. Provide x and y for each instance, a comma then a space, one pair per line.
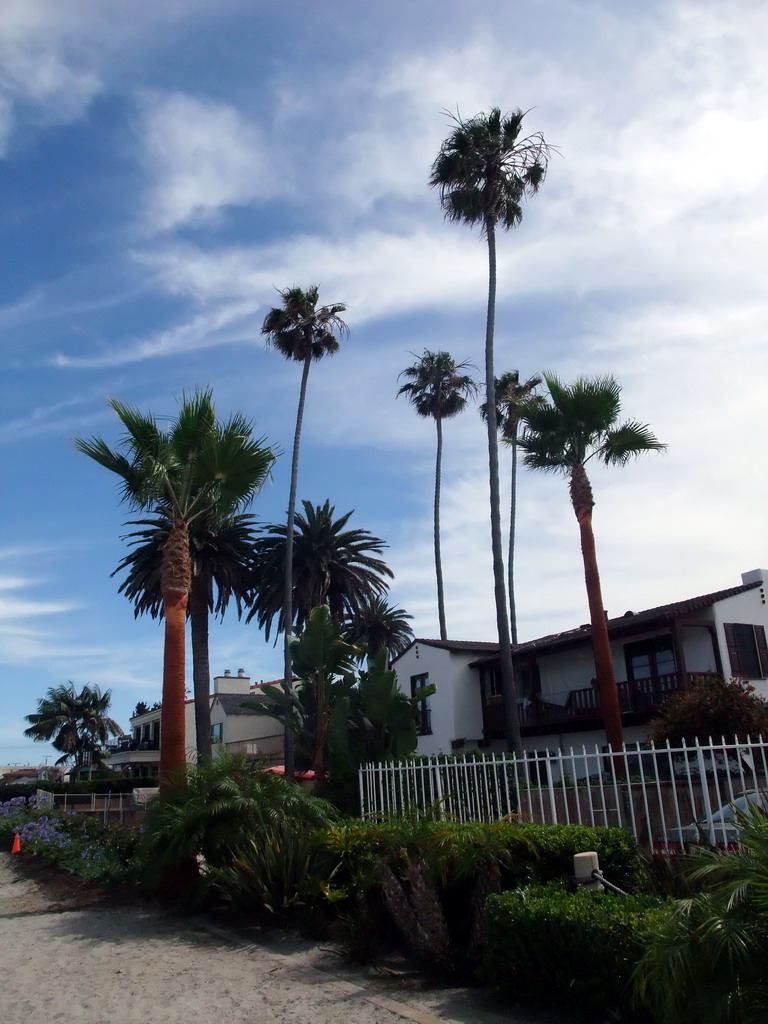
437, 388
180, 473
510, 392
331, 565
577, 423
375, 625
302, 331
484, 170
75, 723
221, 550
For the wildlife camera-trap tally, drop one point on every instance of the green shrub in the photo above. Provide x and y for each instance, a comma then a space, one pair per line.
75, 843
561, 947
554, 847
279, 870
525, 853
213, 815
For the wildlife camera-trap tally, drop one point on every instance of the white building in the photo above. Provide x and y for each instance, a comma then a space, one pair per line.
233, 726
656, 652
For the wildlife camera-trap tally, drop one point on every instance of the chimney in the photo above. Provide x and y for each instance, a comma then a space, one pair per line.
241, 683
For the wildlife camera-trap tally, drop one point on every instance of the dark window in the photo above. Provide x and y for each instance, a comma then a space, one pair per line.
494, 681
217, 732
649, 659
747, 651
424, 721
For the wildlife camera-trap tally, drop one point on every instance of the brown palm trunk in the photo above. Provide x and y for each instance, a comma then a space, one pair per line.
583, 503
506, 668
175, 581
438, 558
289, 757
201, 667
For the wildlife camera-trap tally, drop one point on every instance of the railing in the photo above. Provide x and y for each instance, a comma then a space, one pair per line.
108, 806
569, 707
669, 797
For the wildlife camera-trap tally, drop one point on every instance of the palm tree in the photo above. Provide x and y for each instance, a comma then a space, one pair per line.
75, 723
221, 550
437, 388
331, 566
375, 625
181, 474
580, 422
704, 957
303, 332
483, 172
509, 394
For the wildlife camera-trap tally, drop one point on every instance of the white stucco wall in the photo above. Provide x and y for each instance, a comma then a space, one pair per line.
455, 707
750, 607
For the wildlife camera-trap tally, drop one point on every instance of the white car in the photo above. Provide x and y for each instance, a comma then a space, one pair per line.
720, 830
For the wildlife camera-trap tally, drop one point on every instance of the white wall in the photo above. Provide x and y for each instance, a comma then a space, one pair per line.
456, 706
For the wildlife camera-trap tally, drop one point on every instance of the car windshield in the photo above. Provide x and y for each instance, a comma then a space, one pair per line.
740, 804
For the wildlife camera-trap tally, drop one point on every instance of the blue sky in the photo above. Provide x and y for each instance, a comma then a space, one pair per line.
164, 167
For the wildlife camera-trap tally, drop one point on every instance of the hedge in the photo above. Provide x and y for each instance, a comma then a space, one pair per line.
526, 853
561, 947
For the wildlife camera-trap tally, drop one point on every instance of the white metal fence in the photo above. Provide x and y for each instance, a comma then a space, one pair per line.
668, 797
107, 806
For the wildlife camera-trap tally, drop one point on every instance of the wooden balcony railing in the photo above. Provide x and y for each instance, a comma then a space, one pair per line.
570, 708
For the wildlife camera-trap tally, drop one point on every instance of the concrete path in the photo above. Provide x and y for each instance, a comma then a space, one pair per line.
61, 963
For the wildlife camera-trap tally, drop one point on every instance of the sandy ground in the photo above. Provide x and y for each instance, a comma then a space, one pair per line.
69, 957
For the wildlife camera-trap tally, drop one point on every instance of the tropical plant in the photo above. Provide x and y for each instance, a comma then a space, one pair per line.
301, 331
510, 392
221, 550
711, 707
331, 565
579, 422
705, 961
319, 658
181, 474
382, 718
374, 625
437, 389
214, 810
484, 170
77, 724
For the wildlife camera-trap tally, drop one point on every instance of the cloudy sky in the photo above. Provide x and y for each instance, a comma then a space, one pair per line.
165, 167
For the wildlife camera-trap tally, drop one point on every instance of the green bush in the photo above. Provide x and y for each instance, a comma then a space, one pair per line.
213, 815
561, 947
525, 853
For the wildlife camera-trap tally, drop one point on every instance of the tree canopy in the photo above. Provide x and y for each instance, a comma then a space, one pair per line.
77, 724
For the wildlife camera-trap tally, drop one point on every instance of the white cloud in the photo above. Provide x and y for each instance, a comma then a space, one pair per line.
39, 69
201, 157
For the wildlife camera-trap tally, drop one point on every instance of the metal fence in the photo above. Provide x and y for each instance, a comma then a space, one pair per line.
669, 797
106, 806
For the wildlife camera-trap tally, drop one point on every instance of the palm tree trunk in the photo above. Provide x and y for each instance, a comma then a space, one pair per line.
438, 560
289, 759
201, 668
175, 582
508, 688
511, 559
319, 760
581, 498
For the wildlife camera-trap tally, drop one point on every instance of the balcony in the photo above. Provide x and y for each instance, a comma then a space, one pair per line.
639, 700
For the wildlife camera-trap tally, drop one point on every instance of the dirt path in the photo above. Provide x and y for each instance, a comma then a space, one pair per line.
66, 958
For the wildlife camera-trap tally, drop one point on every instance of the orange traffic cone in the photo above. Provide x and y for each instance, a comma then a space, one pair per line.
16, 848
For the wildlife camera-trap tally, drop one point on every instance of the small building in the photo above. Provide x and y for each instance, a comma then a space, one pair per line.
656, 652
233, 726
